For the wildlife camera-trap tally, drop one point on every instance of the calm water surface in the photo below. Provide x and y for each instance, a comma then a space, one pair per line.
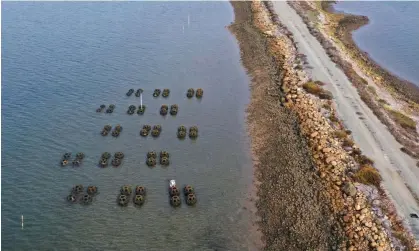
392, 36
60, 61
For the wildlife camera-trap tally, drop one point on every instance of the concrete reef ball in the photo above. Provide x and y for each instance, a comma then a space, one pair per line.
147, 127
191, 199
86, 199
112, 106
67, 156
174, 191
123, 200
152, 154
163, 111
78, 189
98, 110
164, 154
76, 162
80, 155
165, 93
118, 128
157, 127
144, 132
102, 106
173, 109
130, 92
131, 107
115, 133
190, 93
126, 190
164, 161
193, 128
175, 106
107, 128
71, 198
92, 190
116, 162
193, 134
140, 190
199, 93
156, 93
103, 162
175, 201
181, 134
119, 155
64, 162
155, 133
151, 162
188, 189
141, 109
106, 155
138, 92
181, 128
139, 200
104, 133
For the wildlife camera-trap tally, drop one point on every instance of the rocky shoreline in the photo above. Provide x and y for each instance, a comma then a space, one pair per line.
308, 197
394, 101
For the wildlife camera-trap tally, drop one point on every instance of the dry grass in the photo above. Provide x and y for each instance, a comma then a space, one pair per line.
348, 142
333, 118
372, 90
313, 88
368, 175
341, 134
404, 240
402, 119
364, 160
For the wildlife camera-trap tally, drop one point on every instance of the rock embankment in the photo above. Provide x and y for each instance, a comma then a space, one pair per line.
336, 157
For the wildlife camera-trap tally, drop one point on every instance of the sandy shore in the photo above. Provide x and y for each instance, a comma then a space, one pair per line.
308, 196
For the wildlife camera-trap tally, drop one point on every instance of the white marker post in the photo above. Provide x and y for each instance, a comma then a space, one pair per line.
22, 220
188, 21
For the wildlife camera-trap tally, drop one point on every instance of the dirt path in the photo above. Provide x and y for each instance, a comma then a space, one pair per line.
373, 137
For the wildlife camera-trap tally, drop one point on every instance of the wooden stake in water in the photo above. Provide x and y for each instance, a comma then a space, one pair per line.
22, 220
141, 99
188, 21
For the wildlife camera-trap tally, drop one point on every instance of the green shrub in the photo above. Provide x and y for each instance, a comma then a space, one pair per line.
368, 175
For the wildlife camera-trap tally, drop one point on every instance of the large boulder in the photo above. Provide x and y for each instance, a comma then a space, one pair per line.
349, 189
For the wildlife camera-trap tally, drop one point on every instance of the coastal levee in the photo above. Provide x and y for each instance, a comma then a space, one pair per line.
310, 198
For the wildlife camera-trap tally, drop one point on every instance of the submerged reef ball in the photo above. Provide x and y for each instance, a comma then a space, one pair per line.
141, 109
126, 189
98, 110
165, 93
67, 155
119, 155
193, 128
144, 132
165, 107
175, 106
199, 93
174, 191
164, 161
164, 154
188, 189
138, 92
163, 111
139, 200
115, 133
175, 201
191, 199
156, 93
157, 127
107, 127
181, 134
106, 155
131, 107
122, 200
109, 110
80, 155
190, 93
104, 132
92, 190
103, 162
118, 128
130, 112
151, 162
112, 106
173, 111
116, 162
130, 91
140, 190
193, 134
78, 189
71, 198
64, 162
147, 127
76, 162
86, 199
181, 128
155, 133
152, 154
102, 106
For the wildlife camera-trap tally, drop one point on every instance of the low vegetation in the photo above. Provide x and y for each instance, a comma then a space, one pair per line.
402, 119
315, 88
368, 175
340, 134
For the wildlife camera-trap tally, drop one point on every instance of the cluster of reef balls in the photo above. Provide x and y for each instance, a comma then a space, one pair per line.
191, 92
140, 111
77, 194
109, 110
137, 93
130, 92
164, 94
125, 194
76, 162
189, 193
152, 158
116, 161
173, 110
182, 130
155, 132
107, 128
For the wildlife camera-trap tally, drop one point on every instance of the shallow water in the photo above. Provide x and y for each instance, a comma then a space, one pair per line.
391, 37
60, 62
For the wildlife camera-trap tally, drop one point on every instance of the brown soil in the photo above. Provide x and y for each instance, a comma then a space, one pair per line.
293, 213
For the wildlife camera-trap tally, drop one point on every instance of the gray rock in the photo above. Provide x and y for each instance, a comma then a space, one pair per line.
349, 189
